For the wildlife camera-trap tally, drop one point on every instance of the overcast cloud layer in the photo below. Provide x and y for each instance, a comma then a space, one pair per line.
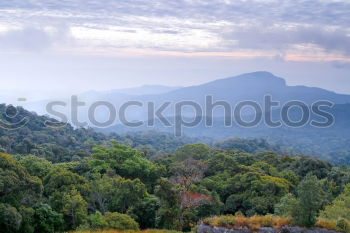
256, 27
284, 30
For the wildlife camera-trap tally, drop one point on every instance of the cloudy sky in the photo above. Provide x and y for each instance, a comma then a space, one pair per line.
50, 46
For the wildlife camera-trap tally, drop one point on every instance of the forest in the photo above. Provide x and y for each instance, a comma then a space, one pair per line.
64, 179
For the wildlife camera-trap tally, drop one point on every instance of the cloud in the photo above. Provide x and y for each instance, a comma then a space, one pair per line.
282, 37
269, 26
32, 38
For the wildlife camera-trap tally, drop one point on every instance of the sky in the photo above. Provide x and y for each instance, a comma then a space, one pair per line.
50, 47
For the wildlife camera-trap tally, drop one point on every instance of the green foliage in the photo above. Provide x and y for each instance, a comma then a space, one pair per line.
193, 151
265, 167
16, 184
126, 162
35, 166
169, 212
317, 167
305, 208
145, 212
247, 145
70, 185
340, 208
27, 224
255, 193
343, 225
10, 218
60, 184
287, 206
74, 209
47, 220
120, 222
223, 162
310, 197
111, 220
97, 221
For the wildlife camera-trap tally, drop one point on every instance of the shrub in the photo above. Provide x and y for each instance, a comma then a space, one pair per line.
343, 225
97, 221
265, 221
128, 231
324, 223
226, 221
242, 221
254, 222
280, 222
120, 221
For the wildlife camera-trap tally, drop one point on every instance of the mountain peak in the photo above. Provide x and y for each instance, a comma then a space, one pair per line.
259, 79
259, 75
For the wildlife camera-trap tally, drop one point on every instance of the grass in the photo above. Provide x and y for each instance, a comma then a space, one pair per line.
254, 222
117, 231
341, 225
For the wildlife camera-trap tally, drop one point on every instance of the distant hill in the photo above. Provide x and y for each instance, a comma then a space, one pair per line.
59, 142
253, 86
331, 143
66, 143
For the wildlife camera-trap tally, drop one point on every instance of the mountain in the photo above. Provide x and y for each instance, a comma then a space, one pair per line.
251, 86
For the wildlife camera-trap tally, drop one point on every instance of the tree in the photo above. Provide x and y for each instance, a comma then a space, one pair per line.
305, 207
116, 194
47, 220
287, 206
126, 162
340, 208
197, 151
169, 213
310, 197
97, 221
62, 180
317, 167
17, 186
222, 162
36, 166
145, 213
10, 218
188, 172
74, 209
254, 193
128, 194
27, 224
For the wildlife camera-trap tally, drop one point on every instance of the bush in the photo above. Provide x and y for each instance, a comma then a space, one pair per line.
131, 231
280, 221
265, 221
324, 223
343, 225
97, 221
226, 221
254, 222
120, 221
